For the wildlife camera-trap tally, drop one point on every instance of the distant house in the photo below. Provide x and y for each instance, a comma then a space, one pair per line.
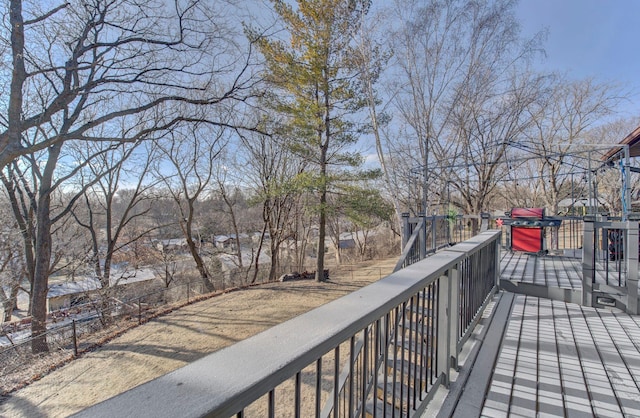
68, 294
579, 206
346, 241
172, 244
223, 242
231, 241
351, 239
229, 262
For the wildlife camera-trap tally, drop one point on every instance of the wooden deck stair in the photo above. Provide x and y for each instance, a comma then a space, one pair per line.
406, 372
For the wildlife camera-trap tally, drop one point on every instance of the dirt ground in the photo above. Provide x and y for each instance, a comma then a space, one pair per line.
173, 340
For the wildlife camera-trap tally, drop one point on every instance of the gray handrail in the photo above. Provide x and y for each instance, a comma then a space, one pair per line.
225, 382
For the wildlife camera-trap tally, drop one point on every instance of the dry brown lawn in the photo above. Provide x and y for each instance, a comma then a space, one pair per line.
176, 339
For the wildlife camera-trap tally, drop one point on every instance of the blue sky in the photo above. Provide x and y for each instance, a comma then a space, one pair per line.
589, 38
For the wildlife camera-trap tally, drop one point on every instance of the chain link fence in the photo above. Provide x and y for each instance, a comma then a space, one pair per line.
83, 327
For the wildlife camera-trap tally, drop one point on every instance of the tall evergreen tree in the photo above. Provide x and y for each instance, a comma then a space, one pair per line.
314, 81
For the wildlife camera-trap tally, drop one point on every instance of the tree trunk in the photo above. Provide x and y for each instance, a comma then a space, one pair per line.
8, 311
10, 302
273, 270
338, 250
202, 269
321, 236
322, 227
324, 148
41, 279
13, 299
18, 77
43, 254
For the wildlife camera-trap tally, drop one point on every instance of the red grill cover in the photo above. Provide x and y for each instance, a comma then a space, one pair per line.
526, 239
537, 213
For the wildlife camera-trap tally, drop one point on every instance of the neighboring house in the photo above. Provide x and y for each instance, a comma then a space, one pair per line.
223, 242
352, 239
229, 262
620, 155
346, 241
172, 244
579, 206
68, 294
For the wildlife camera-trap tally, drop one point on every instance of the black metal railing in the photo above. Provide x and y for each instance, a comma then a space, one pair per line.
610, 263
385, 347
424, 235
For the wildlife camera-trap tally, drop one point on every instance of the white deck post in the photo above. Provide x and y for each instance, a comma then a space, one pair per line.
454, 280
444, 325
588, 262
632, 267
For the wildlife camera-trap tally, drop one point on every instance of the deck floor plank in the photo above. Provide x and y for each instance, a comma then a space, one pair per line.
562, 359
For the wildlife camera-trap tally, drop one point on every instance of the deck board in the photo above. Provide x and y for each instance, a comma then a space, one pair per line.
561, 359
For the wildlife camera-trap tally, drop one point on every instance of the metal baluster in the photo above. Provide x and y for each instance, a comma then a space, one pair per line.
318, 385
272, 403
336, 379
297, 396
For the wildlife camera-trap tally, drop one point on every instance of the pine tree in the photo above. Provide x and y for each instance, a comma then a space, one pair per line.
313, 78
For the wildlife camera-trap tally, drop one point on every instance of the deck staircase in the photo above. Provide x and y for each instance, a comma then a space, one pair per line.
394, 365
408, 372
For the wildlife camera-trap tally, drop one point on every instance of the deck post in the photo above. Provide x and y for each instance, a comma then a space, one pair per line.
588, 261
632, 267
498, 249
434, 232
406, 233
454, 280
423, 237
444, 325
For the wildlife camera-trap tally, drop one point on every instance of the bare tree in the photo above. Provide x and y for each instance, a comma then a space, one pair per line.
486, 123
191, 154
79, 68
558, 135
229, 193
373, 55
12, 264
109, 212
42, 210
89, 64
448, 56
272, 168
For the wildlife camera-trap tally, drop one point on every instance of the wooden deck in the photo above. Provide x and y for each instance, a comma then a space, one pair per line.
560, 271
538, 356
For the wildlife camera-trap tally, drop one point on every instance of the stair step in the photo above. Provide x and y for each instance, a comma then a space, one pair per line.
412, 324
421, 348
400, 389
405, 366
403, 396
382, 409
420, 310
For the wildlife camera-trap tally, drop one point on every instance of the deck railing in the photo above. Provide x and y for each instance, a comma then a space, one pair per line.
380, 351
561, 239
424, 235
610, 263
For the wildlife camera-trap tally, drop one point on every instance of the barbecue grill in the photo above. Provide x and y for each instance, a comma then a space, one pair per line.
528, 229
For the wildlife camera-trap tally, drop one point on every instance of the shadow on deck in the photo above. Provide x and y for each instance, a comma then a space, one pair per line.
539, 352
559, 277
